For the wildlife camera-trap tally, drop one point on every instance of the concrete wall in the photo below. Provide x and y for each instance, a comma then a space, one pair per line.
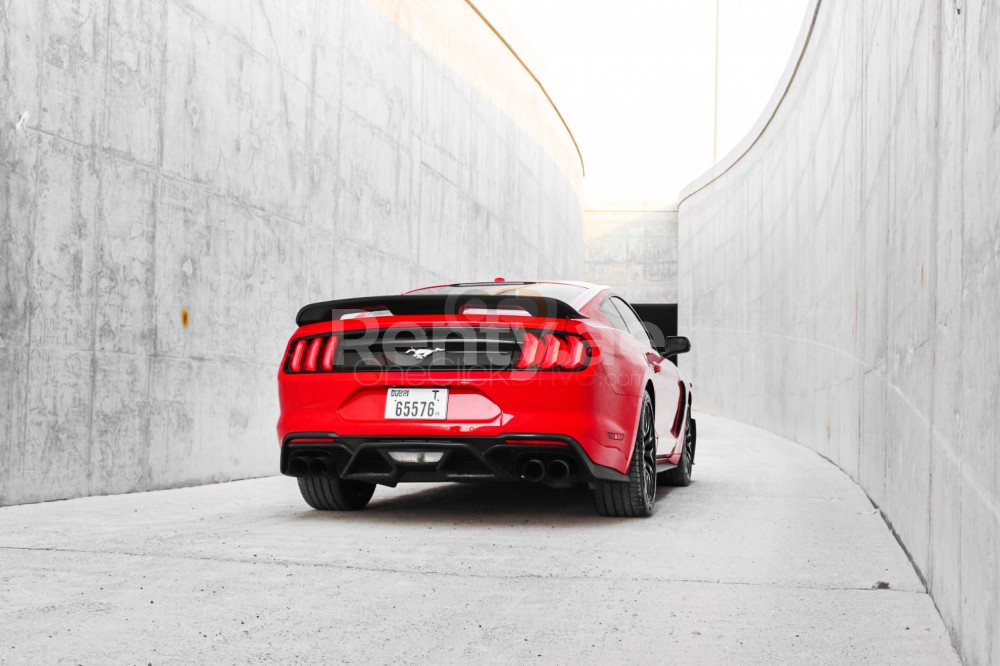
177, 178
840, 274
634, 251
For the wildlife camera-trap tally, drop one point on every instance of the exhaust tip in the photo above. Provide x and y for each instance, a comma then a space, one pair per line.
558, 470
297, 467
317, 467
533, 471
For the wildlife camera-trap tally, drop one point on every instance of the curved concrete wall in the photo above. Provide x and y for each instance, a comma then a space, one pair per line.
177, 178
840, 272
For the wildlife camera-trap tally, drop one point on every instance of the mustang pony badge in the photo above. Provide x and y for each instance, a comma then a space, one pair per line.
421, 354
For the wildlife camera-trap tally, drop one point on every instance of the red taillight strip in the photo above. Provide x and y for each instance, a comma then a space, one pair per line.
574, 358
541, 442
548, 351
552, 348
530, 349
541, 350
313, 354
328, 353
295, 364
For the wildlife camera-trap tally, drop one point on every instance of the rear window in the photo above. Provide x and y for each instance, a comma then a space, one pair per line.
561, 292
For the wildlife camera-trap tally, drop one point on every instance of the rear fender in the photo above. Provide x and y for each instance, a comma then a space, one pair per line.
615, 360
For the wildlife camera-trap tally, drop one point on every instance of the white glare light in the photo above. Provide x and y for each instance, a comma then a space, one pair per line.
416, 456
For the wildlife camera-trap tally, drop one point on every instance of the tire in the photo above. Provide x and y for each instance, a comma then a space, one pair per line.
681, 475
635, 497
331, 493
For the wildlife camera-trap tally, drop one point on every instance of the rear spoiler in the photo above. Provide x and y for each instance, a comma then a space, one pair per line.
435, 304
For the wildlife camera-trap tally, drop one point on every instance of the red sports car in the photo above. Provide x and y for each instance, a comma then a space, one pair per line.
543, 382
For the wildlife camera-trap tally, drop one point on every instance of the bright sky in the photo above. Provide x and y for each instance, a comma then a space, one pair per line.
635, 80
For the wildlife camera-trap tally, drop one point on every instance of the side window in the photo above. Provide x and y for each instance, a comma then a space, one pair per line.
632, 321
608, 309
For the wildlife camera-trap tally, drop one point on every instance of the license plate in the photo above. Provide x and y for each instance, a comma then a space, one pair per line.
416, 403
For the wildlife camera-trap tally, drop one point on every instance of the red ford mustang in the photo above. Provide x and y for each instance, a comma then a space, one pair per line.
544, 382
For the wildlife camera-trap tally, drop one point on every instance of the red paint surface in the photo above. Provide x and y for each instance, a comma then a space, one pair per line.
585, 404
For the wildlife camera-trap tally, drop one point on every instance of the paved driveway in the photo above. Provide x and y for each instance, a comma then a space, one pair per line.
770, 556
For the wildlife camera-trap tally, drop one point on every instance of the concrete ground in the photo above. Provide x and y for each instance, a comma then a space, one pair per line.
770, 556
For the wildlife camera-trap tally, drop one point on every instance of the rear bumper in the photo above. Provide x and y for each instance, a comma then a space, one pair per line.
464, 458
580, 406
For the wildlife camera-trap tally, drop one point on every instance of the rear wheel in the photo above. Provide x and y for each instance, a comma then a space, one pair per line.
681, 475
634, 498
331, 493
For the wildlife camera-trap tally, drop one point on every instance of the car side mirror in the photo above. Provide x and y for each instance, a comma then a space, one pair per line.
675, 344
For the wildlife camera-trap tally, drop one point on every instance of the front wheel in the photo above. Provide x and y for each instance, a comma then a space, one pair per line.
633, 498
331, 493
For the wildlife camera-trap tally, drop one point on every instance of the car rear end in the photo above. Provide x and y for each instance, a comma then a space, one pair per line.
446, 387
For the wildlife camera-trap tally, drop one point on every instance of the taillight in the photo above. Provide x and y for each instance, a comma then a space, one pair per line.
541, 350
576, 352
312, 354
549, 351
552, 348
295, 362
530, 349
328, 353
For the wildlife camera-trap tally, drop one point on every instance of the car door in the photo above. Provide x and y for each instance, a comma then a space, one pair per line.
665, 378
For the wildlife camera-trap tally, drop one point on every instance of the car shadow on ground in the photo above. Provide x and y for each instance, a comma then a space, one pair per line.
514, 504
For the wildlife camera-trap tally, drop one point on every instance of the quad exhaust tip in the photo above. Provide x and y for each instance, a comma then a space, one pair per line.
558, 470
533, 471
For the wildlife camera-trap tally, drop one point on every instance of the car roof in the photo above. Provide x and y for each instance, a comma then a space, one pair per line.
590, 289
